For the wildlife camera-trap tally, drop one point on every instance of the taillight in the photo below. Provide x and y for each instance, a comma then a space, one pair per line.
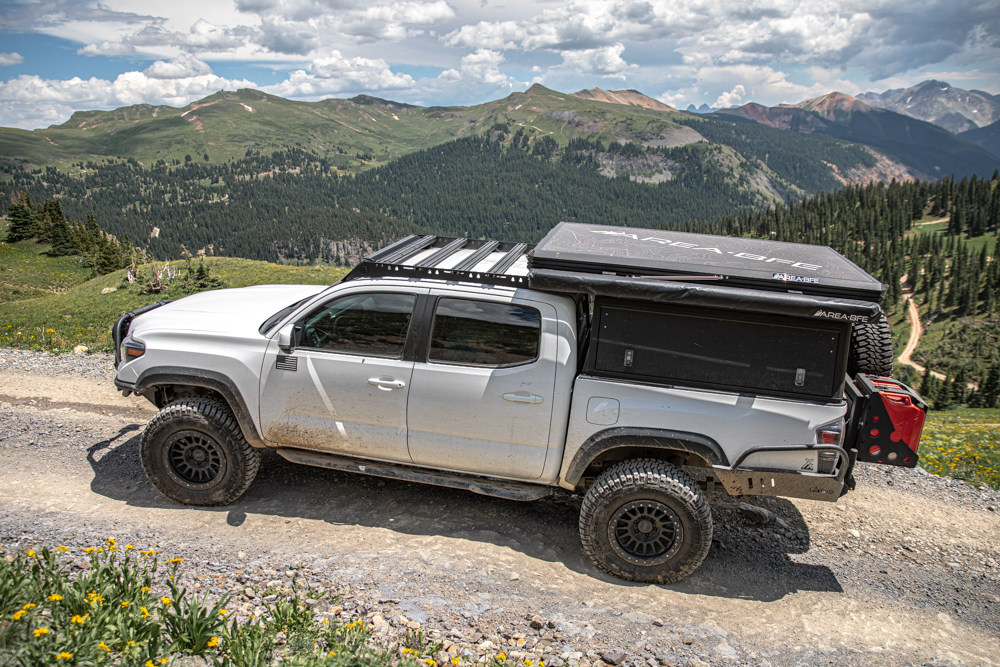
831, 434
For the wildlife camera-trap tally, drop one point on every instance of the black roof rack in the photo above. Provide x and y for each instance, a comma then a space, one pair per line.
408, 258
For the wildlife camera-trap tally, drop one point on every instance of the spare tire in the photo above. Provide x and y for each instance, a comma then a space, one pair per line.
871, 349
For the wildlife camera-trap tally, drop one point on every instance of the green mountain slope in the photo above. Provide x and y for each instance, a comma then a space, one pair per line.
227, 124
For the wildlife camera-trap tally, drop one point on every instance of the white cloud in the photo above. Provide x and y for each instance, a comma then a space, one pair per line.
29, 101
732, 98
10, 59
336, 74
500, 35
181, 67
483, 66
106, 48
606, 60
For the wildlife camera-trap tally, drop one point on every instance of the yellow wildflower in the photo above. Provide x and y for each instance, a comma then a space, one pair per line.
30, 605
41, 631
223, 612
80, 619
455, 661
430, 662
129, 547
149, 663
162, 660
409, 651
501, 656
19, 614
62, 548
104, 646
54, 598
130, 642
31, 553
176, 560
165, 601
65, 656
145, 612
213, 642
90, 549
111, 541
125, 603
144, 589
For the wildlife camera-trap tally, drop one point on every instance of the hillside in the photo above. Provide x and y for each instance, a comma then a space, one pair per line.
352, 134
924, 148
937, 102
987, 138
622, 97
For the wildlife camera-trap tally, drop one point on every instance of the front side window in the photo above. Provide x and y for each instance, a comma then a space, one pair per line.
483, 333
369, 324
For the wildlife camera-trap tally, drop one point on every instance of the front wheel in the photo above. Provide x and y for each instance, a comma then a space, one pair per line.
194, 452
646, 520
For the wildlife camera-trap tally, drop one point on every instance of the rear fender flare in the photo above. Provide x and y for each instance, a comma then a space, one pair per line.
648, 438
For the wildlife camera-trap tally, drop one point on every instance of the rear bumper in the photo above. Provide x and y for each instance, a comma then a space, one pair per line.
743, 481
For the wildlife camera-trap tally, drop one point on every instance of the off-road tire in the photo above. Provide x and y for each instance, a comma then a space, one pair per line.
871, 349
170, 446
656, 485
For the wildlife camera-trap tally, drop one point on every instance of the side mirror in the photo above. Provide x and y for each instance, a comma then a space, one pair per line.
286, 338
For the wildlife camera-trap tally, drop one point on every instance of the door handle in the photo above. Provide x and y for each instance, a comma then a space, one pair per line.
522, 398
386, 385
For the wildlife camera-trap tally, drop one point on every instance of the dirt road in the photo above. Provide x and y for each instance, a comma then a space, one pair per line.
902, 571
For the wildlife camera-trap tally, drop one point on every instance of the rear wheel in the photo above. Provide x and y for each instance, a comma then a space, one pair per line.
646, 520
194, 452
871, 349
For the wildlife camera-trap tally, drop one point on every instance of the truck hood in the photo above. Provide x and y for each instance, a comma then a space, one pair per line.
238, 311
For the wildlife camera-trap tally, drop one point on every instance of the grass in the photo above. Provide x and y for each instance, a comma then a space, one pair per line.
75, 312
963, 443
127, 609
24, 266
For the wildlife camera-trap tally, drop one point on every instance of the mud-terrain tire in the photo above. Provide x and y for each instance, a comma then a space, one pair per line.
677, 532
871, 349
194, 452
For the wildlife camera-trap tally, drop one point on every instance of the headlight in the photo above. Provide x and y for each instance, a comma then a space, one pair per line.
132, 349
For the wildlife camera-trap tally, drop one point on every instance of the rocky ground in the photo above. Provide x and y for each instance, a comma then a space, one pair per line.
902, 571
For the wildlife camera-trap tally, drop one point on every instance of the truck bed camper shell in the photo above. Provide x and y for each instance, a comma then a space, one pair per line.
724, 260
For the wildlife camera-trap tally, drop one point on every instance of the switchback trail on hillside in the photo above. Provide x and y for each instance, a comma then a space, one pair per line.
902, 570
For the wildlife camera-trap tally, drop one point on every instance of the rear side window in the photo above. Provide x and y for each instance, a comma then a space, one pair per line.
369, 324
483, 333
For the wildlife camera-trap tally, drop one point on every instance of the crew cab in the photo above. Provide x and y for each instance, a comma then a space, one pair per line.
641, 373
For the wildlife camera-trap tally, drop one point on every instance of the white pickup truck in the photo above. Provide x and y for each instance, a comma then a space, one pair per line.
509, 371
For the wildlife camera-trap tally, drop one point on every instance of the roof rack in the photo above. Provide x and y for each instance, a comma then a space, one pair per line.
448, 258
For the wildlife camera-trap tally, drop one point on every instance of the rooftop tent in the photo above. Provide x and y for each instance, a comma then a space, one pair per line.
732, 261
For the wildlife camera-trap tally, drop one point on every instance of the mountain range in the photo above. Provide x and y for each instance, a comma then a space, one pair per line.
927, 149
937, 102
362, 132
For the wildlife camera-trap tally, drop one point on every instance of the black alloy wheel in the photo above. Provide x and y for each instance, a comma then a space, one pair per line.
195, 458
645, 532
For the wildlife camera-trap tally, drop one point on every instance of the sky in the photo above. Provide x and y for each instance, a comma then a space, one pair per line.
60, 56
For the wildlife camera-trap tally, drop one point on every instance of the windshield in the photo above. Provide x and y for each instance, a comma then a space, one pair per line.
273, 321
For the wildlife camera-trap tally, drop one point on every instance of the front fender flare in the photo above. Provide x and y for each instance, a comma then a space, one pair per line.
199, 377
652, 438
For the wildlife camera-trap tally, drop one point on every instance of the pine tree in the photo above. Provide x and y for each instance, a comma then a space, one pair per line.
24, 219
62, 240
991, 388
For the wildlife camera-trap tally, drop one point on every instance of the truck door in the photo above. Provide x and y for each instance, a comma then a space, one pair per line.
482, 387
344, 388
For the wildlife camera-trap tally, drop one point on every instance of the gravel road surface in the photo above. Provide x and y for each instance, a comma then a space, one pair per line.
905, 570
